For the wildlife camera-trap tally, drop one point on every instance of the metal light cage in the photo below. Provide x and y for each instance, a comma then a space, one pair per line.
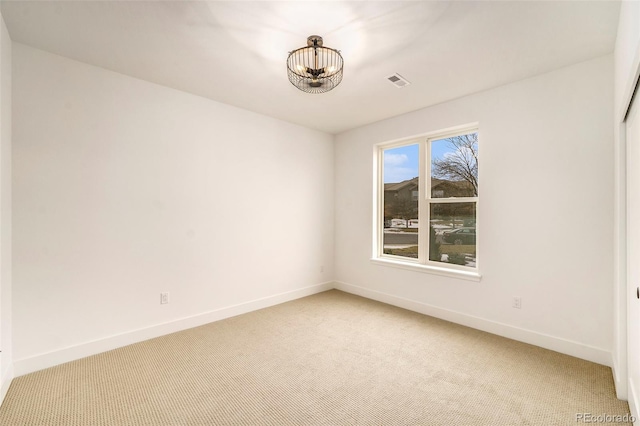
315, 68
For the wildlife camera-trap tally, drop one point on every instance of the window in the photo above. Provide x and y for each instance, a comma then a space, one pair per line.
427, 202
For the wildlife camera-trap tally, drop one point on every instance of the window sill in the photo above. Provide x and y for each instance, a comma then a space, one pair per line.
446, 272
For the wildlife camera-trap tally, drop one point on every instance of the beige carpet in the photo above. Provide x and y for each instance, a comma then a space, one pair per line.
328, 359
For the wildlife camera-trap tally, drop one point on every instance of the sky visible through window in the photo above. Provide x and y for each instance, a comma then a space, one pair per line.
402, 163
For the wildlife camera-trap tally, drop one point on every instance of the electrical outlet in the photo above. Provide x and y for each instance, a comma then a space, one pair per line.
322, 269
164, 298
517, 302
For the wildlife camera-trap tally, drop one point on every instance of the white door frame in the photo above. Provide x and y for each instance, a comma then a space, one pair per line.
621, 293
633, 253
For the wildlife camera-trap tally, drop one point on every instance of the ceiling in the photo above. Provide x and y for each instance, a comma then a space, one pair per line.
235, 51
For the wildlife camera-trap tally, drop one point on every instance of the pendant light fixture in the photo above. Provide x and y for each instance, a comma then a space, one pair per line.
315, 68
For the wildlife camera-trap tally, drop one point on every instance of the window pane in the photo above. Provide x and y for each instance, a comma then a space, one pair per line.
400, 227
452, 237
454, 166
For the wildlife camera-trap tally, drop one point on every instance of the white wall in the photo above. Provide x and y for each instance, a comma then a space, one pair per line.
124, 189
545, 212
6, 361
626, 70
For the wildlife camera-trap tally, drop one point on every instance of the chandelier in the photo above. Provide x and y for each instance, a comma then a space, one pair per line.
315, 68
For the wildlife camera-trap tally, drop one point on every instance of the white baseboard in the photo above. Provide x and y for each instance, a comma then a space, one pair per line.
619, 381
634, 404
5, 382
557, 344
50, 359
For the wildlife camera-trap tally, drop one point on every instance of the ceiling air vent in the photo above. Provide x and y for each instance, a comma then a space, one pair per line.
398, 80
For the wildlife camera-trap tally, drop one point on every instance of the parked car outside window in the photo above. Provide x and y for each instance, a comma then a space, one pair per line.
460, 236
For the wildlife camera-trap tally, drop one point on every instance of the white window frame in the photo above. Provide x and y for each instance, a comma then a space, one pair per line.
422, 263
